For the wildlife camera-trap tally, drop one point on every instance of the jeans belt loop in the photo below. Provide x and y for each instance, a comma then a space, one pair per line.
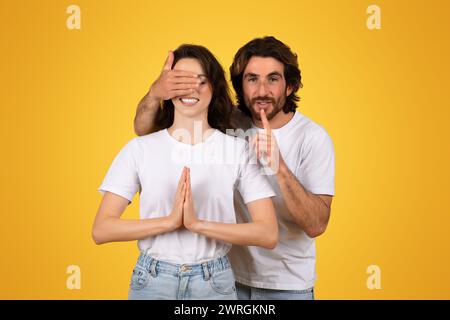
153, 268
206, 273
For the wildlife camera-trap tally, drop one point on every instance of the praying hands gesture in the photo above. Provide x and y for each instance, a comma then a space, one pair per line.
183, 212
263, 219
109, 226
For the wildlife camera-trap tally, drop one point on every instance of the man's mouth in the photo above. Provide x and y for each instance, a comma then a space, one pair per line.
189, 101
263, 104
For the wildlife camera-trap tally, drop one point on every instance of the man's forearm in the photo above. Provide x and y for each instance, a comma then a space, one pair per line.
309, 211
145, 115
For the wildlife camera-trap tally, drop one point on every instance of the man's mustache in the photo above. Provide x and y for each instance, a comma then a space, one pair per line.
262, 99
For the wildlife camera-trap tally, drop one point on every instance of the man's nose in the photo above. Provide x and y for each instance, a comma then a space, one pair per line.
262, 89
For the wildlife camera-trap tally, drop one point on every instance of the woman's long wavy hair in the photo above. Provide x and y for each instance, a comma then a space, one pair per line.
221, 106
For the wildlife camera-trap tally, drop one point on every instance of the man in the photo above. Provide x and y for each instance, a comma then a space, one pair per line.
297, 152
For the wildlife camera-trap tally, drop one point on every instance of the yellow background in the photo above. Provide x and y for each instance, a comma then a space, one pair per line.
68, 99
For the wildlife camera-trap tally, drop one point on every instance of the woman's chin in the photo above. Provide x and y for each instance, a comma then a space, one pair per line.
191, 111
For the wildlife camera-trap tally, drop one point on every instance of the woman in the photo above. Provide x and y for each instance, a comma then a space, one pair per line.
186, 174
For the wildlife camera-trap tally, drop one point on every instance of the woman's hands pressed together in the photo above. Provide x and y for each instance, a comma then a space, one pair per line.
183, 211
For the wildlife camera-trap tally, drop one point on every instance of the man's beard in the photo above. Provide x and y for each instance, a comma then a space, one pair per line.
277, 106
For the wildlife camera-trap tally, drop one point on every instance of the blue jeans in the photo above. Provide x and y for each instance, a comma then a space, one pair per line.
158, 280
251, 293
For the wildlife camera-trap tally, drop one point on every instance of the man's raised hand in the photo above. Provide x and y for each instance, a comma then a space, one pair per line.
266, 147
173, 83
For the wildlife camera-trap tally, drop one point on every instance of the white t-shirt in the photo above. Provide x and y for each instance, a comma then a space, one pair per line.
153, 164
308, 152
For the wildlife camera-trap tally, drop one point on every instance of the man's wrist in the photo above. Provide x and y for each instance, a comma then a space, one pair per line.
283, 170
151, 102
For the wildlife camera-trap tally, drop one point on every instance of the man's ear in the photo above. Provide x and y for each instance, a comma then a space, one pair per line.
288, 91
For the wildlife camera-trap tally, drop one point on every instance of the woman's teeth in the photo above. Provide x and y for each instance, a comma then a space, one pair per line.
189, 101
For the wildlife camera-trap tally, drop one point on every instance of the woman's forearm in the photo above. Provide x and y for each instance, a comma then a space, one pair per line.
248, 234
113, 229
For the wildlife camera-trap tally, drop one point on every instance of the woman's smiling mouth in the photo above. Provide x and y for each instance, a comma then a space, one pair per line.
189, 101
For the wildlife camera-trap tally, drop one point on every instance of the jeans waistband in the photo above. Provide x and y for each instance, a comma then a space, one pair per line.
154, 266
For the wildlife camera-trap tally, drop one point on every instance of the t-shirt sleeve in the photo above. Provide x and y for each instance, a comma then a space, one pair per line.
317, 167
253, 183
122, 177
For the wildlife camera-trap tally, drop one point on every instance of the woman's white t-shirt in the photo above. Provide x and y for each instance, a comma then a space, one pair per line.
153, 164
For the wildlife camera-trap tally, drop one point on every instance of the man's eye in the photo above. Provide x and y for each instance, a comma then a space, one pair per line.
273, 79
251, 79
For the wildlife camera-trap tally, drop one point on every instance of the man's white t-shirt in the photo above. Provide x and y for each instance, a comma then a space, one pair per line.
153, 164
308, 152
